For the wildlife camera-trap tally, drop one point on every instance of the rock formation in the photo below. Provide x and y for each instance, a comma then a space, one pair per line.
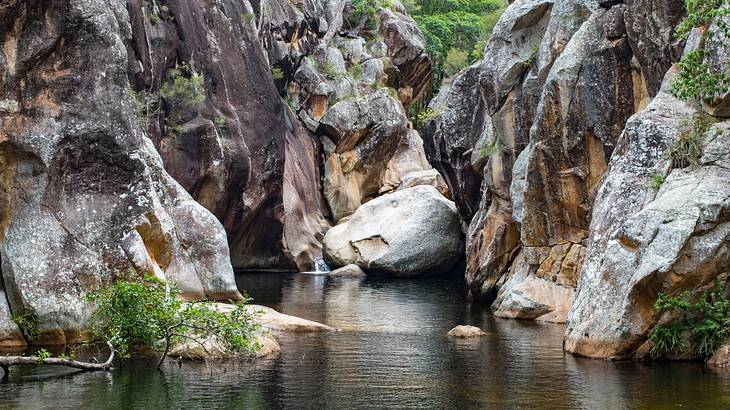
552, 169
411, 232
279, 118
241, 153
85, 197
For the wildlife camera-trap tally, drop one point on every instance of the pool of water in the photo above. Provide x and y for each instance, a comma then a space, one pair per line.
392, 352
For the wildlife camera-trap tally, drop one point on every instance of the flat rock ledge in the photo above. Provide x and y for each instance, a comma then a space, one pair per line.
272, 322
466, 331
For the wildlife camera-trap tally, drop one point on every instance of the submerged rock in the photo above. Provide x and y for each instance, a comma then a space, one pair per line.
412, 232
351, 271
721, 358
463, 331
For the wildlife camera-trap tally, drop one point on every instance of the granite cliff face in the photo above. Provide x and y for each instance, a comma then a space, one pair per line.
114, 158
85, 197
552, 170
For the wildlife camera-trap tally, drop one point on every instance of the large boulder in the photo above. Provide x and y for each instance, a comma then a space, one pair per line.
407, 233
84, 197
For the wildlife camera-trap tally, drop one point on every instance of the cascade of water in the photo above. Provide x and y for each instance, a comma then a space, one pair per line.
321, 266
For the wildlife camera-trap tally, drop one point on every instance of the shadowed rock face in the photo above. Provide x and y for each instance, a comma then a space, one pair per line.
349, 86
240, 154
84, 197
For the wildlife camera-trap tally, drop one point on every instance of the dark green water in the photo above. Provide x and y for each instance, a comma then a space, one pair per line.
392, 353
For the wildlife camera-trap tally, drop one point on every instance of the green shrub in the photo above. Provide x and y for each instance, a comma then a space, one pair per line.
687, 149
330, 71
697, 80
365, 12
701, 13
703, 325
184, 91
425, 116
657, 180
355, 72
29, 325
147, 312
456, 60
277, 73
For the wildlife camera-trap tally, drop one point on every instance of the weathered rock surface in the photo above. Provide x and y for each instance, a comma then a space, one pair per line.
271, 321
274, 321
721, 358
84, 197
241, 153
649, 242
570, 124
410, 232
349, 87
463, 331
212, 349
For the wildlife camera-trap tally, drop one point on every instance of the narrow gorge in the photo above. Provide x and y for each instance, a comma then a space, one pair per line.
574, 173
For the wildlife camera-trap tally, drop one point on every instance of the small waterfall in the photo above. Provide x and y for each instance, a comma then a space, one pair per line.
321, 266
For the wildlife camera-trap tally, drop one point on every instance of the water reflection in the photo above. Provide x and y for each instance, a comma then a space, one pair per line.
392, 352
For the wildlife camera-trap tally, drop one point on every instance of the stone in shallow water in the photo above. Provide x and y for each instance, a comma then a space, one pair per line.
466, 331
352, 271
721, 358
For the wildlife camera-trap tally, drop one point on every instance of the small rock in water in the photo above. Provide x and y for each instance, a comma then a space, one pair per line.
466, 331
721, 358
350, 271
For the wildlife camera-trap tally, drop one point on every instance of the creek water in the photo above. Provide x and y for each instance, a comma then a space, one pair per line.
392, 352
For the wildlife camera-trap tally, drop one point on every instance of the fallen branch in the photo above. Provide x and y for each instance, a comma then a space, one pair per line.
7, 361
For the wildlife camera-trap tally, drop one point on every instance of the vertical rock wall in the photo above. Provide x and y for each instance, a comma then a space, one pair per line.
84, 195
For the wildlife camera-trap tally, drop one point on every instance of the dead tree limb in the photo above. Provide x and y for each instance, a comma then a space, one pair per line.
7, 361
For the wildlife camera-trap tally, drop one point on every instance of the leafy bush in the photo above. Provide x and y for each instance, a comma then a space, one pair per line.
657, 180
277, 73
183, 91
147, 312
28, 324
456, 60
701, 13
696, 80
704, 325
425, 116
364, 13
687, 149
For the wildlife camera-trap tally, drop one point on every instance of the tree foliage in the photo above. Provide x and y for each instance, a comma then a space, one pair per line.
456, 32
697, 80
149, 313
703, 325
183, 91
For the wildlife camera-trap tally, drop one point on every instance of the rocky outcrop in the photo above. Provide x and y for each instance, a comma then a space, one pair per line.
240, 153
84, 197
577, 128
348, 271
407, 233
349, 86
647, 242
